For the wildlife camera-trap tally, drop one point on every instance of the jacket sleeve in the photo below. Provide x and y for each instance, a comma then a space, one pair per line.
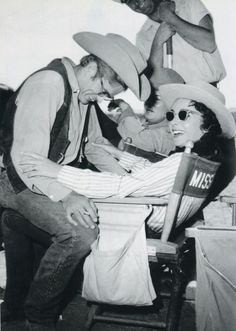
102, 160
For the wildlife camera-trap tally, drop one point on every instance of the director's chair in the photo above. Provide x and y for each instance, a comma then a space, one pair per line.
191, 187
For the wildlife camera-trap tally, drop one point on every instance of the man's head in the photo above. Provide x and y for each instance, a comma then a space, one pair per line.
155, 109
113, 64
146, 7
97, 80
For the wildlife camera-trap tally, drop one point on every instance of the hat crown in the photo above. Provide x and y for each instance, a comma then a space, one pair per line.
123, 57
208, 88
135, 55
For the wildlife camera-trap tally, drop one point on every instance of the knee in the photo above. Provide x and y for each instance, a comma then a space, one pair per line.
7, 219
84, 238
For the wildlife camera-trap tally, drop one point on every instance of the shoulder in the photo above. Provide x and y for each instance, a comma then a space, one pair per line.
45, 77
191, 10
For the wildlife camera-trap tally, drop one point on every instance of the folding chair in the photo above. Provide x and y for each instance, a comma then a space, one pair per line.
193, 181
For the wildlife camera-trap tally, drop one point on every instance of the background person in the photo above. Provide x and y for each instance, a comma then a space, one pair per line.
149, 131
195, 53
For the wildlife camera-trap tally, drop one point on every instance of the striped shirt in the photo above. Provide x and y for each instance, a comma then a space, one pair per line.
145, 179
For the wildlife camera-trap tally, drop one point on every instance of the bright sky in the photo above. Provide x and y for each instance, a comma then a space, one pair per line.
32, 33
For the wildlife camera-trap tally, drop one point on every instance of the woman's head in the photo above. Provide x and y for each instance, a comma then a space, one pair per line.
196, 111
191, 121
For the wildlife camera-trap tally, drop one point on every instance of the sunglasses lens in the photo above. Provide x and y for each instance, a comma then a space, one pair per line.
170, 116
183, 115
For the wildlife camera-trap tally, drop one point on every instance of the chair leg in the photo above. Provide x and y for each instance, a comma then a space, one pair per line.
93, 310
174, 307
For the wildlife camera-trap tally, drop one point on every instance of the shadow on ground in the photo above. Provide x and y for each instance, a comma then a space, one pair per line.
74, 318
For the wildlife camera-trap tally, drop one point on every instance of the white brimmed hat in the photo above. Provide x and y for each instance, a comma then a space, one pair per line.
121, 55
205, 93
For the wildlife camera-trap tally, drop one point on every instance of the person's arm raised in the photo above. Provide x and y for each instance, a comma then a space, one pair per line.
200, 36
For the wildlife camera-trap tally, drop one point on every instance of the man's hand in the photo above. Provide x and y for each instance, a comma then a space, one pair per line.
164, 32
166, 11
80, 209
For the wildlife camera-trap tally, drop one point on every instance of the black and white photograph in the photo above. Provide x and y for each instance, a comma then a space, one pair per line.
117, 165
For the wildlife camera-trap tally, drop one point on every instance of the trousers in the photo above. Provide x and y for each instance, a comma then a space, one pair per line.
65, 247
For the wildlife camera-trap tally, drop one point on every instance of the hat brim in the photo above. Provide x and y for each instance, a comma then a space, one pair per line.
111, 53
171, 92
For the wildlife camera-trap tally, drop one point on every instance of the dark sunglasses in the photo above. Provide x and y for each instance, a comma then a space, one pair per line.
182, 114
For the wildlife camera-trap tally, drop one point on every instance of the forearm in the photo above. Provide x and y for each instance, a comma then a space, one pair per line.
103, 160
197, 36
89, 183
156, 55
129, 127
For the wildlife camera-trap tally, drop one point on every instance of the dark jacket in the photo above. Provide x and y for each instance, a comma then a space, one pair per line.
58, 136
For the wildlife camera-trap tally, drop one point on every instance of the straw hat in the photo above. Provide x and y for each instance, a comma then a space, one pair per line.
121, 55
205, 93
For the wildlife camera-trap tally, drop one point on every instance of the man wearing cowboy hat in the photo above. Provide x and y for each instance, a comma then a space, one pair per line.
195, 53
49, 116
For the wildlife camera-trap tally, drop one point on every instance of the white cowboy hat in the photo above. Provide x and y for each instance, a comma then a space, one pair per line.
205, 93
121, 55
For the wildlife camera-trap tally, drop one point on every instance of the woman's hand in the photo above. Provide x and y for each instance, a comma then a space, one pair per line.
34, 165
115, 152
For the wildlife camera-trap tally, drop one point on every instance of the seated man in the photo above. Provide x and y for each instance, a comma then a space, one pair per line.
48, 115
149, 132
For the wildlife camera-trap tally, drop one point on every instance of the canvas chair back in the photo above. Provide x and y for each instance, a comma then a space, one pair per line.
191, 188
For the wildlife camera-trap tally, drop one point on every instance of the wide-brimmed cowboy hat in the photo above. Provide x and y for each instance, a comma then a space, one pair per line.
121, 55
205, 93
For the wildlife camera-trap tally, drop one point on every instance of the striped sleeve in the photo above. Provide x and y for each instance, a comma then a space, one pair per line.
89, 183
155, 180
132, 162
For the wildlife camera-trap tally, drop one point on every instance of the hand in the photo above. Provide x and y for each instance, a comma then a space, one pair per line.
80, 209
119, 103
115, 152
33, 164
166, 11
164, 32
86, 96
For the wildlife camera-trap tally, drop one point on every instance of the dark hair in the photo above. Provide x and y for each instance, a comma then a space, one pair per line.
151, 101
210, 123
103, 69
207, 146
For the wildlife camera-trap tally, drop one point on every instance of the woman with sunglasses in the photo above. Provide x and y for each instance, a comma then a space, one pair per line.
196, 114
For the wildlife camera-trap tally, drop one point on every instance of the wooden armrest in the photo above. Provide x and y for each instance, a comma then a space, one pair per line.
192, 232
135, 201
155, 246
228, 199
